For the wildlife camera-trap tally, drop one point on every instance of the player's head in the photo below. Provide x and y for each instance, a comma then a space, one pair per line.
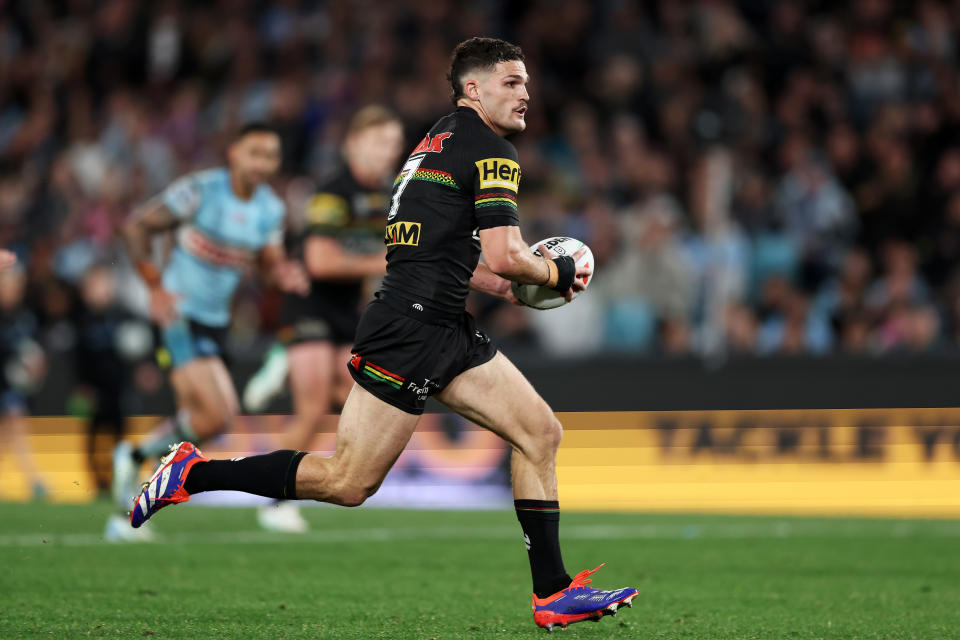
490, 76
98, 288
373, 144
254, 153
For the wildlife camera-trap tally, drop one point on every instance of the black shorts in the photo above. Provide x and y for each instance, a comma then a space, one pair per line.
402, 361
336, 328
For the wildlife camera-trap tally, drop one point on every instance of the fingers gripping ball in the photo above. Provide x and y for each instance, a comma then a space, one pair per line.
543, 297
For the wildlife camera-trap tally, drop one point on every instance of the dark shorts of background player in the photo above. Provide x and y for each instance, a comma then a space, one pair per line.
338, 328
185, 340
403, 360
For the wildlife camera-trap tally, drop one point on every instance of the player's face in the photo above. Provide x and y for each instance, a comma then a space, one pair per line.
377, 150
503, 95
255, 157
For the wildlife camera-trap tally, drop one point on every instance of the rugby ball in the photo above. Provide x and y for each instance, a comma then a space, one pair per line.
539, 297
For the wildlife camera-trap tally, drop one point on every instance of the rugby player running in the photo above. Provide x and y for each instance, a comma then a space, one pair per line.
226, 219
454, 199
341, 246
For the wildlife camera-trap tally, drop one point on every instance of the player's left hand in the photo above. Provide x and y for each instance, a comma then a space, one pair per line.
581, 275
290, 276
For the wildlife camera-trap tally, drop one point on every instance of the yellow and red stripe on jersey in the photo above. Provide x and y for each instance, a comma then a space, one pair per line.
430, 175
495, 199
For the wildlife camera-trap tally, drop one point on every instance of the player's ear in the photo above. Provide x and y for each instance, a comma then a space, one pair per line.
471, 89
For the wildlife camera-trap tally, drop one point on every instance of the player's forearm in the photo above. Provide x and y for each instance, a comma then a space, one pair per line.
508, 256
136, 240
486, 281
345, 266
517, 263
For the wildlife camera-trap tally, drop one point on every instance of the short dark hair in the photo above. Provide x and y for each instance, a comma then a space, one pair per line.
478, 53
255, 127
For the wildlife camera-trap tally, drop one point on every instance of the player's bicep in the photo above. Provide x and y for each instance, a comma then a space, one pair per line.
495, 188
155, 216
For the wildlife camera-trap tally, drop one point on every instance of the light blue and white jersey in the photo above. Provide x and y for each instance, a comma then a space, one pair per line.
217, 241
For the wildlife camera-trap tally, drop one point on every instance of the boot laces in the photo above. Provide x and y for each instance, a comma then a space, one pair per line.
582, 579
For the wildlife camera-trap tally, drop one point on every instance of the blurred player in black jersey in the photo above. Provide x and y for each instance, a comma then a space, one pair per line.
455, 198
341, 246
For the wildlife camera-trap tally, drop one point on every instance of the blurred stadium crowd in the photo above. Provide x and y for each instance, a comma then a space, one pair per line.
753, 176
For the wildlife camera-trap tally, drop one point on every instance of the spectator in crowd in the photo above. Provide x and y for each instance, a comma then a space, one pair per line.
840, 120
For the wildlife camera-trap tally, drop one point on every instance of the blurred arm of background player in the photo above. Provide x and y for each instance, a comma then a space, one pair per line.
508, 258
325, 259
286, 275
153, 217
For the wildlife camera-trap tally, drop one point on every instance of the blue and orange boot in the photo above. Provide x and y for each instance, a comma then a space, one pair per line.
578, 602
166, 485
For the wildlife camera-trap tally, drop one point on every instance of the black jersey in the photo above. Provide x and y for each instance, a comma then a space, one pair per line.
461, 178
354, 216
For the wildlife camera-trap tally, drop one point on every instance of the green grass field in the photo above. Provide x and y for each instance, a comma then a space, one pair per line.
370, 573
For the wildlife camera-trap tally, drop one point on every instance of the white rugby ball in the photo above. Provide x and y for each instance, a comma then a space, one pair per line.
539, 297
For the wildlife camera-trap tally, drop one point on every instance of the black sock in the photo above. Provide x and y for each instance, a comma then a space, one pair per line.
540, 520
273, 475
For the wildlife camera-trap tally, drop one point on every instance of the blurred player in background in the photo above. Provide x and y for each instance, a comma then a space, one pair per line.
225, 220
341, 246
23, 367
109, 340
455, 198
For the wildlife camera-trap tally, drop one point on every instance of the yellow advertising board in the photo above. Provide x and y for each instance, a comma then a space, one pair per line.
899, 462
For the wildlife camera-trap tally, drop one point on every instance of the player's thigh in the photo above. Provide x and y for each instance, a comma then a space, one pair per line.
371, 435
311, 376
496, 396
203, 387
342, 380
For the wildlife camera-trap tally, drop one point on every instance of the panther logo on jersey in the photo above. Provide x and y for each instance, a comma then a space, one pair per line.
432, 145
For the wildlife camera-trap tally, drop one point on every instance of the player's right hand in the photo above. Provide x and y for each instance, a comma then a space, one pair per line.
581, 275
163, 306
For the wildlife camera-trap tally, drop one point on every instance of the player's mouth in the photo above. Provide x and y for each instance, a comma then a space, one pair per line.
520, 111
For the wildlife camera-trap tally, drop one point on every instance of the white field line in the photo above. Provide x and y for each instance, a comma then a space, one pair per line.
775, 529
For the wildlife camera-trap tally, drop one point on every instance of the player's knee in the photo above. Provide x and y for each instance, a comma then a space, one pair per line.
353, 494
551, 433
212, 421
546, 441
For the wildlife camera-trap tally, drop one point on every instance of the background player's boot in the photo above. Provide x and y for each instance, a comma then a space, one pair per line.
283, 516
267, 383
166, 485
125, 472
118, 530
578, 602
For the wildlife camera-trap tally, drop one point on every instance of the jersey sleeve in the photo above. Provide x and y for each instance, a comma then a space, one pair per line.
327, 213
496, 182
183, 196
